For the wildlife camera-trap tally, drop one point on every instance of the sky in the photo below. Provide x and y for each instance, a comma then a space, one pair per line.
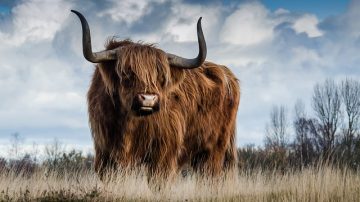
277, 48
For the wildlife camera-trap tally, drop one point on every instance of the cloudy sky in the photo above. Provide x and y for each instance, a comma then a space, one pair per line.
277, 48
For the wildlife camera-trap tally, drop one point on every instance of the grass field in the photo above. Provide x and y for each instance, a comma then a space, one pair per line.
316, 184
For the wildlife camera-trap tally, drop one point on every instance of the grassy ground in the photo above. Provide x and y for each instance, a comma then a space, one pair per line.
316, 184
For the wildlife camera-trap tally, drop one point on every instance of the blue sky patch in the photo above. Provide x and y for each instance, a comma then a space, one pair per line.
322, 8
4, 10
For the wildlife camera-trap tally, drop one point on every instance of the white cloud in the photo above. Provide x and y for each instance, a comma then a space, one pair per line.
40, 88
304, 57
182, 24
36, 20
347, 23
128, 11
308, 24
249, 25
282, 11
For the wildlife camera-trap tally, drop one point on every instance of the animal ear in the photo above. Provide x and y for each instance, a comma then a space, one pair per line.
108, 75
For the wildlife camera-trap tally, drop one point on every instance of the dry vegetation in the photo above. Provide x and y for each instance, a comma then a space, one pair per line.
315, 184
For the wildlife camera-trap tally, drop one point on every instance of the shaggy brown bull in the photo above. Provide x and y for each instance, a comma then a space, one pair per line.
158, 110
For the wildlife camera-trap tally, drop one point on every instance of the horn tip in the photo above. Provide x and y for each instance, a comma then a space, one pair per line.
74, 11
199, 21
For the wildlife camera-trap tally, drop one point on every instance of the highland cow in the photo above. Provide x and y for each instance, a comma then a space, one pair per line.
157, 110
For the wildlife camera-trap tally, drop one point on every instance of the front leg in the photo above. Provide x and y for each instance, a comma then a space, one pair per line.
161, 172
209, 162
103, 164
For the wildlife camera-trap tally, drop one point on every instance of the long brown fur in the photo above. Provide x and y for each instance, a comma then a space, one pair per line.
195, 124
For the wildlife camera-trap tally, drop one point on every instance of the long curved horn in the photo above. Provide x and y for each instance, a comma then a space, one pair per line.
184, 63
86, 40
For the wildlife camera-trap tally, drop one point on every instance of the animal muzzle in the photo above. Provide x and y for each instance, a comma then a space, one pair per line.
145, 104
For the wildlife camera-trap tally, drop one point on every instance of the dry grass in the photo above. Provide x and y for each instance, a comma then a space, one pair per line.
316, 184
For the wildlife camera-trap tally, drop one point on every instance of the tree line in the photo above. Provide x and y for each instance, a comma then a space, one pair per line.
329, 134
55, 159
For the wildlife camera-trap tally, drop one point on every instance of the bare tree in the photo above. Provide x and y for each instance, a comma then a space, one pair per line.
16, 143
301, 128
299, 109
276, 131
306, 142
350, 94
35, 151
54, 151
326, 102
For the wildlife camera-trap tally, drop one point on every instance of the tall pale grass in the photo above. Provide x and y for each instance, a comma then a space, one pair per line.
314, 184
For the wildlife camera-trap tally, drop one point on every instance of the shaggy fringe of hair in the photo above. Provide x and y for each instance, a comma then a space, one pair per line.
144, 60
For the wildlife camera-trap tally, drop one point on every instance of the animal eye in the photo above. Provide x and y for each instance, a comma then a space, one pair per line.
127, 80
126, 83
162, 81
